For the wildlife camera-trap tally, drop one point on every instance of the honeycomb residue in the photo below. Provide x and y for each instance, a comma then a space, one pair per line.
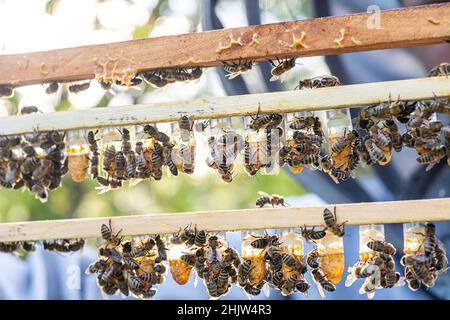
232, 43
110, 69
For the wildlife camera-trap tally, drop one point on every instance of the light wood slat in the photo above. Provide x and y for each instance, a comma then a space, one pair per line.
231, 220
286, 101
404, 27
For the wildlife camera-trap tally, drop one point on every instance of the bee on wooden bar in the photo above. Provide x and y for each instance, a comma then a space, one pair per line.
6, 92
233, 70
318, 82
51, 87
154, 79
330, 221
281, 67
78, 87
442, 69
381, 246
312, 235
107, 234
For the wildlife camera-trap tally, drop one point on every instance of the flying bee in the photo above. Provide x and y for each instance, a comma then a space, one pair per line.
106, 232
312, 235
331, 223
381, 246
273, 200
318, 82
108, 157
280, 68
233, 70
185, 125
78, 87
312, 259
442, 69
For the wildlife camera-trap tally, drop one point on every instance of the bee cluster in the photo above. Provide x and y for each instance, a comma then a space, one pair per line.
57, 245
34, 161
376, 268
423, 266
209, 256
129, 267
15, 247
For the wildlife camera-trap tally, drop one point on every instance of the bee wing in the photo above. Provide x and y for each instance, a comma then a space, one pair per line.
371, 295
266, 290
134, 182
262, 193
334, 179
320, 289
431, 165
400, 283
274, 78
350, 280
233, 75
195, 280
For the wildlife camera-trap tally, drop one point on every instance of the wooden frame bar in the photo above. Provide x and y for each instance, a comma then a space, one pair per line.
404, 27
207, 108
233, 220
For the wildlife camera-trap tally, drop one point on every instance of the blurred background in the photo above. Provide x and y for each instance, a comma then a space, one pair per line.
42, 25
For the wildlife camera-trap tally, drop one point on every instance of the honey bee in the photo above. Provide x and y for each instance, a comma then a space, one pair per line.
233, 70
442, 69
280, 68
130, 166
9, 247
302, 286
154, 79
251, 290
243, 272
161, 247
320, 279
434, 155
330, 221
29, 110
51, 87
78, 87
288, 260
312, 259
340, 144
131, 264
185, 125
289, 285
6, 91
270, 120
396, 138
28, 246
430, 241
97, 266
108, 157
106, 232
376, 154
312, 235
381, 246
303, 123
262, 242
120, 163
318, 82
273, 200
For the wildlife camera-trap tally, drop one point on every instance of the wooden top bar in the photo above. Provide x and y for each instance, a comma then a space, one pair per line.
411, 26
232, 220
287, 101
